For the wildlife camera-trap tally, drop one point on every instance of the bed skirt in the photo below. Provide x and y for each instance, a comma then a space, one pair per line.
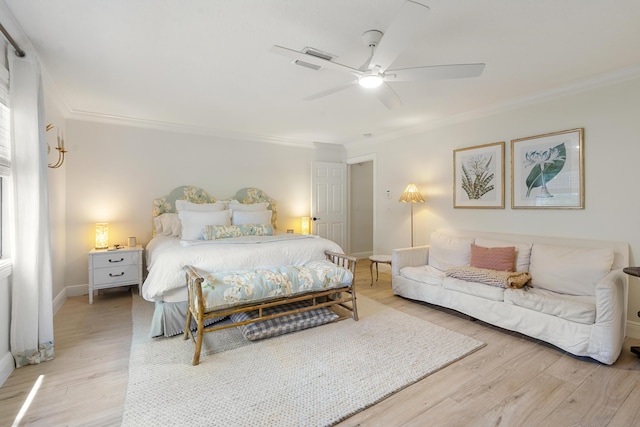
169, 317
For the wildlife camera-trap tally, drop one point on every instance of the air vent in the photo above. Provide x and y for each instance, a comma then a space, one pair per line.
306, 64
317, 53
313, 52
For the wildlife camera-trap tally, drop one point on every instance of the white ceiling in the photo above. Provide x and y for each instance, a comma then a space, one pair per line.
205, 65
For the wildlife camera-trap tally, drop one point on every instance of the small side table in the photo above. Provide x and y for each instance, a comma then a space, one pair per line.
378, 259
113, 268
633, 271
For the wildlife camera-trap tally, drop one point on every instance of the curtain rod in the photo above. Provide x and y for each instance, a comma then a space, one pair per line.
19, 51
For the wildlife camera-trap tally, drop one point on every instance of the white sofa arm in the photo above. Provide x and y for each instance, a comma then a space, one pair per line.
408, 257
611, 316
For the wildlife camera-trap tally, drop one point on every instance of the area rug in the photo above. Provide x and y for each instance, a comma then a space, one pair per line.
314, 377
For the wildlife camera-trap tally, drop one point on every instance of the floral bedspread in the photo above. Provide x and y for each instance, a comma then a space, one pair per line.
227, 289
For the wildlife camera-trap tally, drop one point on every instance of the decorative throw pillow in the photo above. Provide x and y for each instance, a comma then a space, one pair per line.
168, 224
255, 217
193, 223
213, 232
447, 251
523, 251
184, 205
500, 259
250, 207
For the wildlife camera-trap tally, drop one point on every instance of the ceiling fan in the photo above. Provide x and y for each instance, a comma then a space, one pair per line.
385, 48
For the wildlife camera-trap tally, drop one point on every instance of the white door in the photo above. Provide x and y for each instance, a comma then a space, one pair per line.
329, 201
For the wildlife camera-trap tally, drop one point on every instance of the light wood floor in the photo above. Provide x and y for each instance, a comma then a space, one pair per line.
513, 381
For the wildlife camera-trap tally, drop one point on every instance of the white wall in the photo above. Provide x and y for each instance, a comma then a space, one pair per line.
57, 203
114, 173
609, 116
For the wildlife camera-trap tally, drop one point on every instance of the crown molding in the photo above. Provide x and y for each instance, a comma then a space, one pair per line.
621, 75
183, 128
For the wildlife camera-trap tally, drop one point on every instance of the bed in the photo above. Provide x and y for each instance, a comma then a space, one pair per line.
252, 247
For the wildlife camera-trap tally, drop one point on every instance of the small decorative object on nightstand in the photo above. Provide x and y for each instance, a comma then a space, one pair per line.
112, 268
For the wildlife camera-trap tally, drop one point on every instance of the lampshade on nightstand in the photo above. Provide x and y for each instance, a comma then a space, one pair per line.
305, 225
102, 235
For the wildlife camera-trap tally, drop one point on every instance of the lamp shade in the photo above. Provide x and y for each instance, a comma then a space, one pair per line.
102, 235
411, 194
305, 225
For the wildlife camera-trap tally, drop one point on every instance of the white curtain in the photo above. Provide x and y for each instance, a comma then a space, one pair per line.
31, 338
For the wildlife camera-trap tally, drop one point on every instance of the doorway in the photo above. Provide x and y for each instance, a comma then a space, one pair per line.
361, 212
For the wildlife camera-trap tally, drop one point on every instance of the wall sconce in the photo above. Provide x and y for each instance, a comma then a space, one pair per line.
60, 148
305, 225
102, 235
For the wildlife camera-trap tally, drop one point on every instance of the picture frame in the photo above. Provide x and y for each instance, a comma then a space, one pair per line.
547, 171
478, 176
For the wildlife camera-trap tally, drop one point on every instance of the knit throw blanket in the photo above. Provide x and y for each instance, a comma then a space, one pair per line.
502, 279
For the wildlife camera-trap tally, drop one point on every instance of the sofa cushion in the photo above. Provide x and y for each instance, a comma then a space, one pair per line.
523, 251
576, 308
446, 251
500, 258
474, 288
569, 270
423, 274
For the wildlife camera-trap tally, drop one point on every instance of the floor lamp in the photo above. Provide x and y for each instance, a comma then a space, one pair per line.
411, 195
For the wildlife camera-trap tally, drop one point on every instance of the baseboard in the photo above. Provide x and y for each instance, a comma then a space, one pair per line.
77, 290
7, 366
633, 329
59, 300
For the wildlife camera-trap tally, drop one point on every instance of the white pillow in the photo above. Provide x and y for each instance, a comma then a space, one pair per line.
237, 206
523, 251
447, 251
257, 217
184, 205
168, 224
569, 270
193, 223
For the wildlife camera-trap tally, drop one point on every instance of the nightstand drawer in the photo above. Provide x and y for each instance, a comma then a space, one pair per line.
116, 274
115, 258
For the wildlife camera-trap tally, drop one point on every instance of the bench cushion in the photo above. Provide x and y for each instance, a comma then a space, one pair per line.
229, 289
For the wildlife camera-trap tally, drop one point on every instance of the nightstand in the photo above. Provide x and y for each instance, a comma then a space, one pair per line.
113, 268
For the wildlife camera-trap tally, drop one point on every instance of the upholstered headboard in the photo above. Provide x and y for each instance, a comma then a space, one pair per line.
167, 204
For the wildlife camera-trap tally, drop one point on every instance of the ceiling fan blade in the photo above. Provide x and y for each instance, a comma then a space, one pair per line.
407, 24
388, 96
436, 72
311, 59
330, 91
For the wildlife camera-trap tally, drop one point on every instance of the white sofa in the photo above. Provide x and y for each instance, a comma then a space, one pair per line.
576, 299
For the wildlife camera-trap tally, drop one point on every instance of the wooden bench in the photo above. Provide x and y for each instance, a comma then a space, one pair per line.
342, 299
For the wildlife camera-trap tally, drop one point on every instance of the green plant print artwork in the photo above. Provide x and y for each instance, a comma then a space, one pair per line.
546, 164
477, 176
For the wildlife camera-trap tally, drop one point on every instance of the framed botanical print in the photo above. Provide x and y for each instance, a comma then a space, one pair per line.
547, 171
478, 177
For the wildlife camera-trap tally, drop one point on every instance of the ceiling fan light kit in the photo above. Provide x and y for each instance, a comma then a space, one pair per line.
385, 48
371, 81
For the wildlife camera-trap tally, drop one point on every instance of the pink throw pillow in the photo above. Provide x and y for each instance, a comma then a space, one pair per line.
500, 259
